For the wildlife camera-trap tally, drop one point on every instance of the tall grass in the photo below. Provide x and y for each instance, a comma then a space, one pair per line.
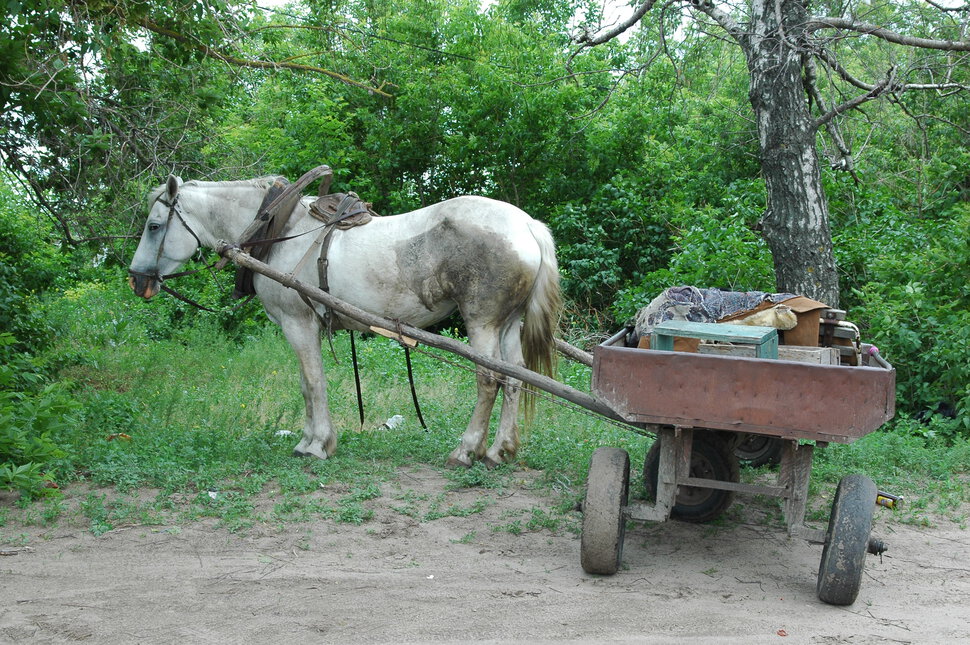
187, 423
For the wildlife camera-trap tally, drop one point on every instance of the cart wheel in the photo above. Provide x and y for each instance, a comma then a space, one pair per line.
759, 450
846, 541
711, 458
607, 487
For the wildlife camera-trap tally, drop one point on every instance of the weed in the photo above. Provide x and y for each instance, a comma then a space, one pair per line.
299, 508
514, 527
52, 510
539, 519
478, 476
93, 507
467, 538
353, 512
435, 513
19, 540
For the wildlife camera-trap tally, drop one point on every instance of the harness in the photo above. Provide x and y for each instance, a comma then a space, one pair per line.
336, 211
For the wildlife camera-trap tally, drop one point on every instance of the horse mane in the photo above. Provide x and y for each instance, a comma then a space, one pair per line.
262, 183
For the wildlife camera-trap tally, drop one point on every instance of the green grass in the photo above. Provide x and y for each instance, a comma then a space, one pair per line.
186, 425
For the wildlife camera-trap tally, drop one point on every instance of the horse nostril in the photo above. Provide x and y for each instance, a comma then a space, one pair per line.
143, 284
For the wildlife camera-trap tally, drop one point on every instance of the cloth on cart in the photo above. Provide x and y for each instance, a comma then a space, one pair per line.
705, 305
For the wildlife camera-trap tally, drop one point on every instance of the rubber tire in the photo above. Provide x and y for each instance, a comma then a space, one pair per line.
607, 489
711, 458
759, 450
846, 541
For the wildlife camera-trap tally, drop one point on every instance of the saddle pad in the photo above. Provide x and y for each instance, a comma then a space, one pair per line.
344, 210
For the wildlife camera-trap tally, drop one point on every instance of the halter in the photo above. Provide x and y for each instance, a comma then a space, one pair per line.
174, 212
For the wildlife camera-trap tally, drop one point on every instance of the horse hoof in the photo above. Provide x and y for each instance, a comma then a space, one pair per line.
454, 463
310, 453
490, 463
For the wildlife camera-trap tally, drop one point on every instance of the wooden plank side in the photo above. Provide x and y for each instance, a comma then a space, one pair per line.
779, 398
817, 355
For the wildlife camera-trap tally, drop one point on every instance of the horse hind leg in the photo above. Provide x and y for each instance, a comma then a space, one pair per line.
506, 443
475, 437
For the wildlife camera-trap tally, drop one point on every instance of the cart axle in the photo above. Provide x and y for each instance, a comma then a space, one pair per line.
876, 546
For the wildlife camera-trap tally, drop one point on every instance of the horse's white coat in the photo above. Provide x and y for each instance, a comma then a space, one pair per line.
486, 258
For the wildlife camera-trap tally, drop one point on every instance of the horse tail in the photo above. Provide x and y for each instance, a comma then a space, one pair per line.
542, 313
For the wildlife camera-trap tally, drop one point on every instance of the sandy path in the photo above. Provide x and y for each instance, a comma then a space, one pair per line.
456, 579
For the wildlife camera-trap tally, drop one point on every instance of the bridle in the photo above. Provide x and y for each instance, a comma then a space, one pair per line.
175, 212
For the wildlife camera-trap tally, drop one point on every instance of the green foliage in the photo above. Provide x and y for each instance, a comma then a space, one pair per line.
33, 410
615, 238
30, 421
29, 264
711, 248
922, 322
90, 100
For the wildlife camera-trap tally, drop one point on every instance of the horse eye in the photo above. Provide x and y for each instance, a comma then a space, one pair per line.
154, 227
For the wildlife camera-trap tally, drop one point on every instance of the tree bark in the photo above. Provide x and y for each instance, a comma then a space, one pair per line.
796, 222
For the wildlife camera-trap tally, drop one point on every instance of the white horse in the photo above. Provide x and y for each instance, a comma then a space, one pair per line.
485, 258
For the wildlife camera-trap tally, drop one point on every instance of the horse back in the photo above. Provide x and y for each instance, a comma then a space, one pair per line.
472, 253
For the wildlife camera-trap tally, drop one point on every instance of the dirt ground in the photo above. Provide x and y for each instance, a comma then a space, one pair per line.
395, 579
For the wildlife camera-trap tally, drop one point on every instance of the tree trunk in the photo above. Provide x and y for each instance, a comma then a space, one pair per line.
795, 224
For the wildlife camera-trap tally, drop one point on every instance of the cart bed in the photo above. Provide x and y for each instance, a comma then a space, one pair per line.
785, 399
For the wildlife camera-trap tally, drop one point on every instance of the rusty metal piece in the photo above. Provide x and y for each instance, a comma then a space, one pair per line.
777, 398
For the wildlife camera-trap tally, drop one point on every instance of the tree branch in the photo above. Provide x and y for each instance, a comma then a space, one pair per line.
886, 84
843, 160
940, 7
12, 161
826, 57
722, 18
588, 40
891, 36
256, 64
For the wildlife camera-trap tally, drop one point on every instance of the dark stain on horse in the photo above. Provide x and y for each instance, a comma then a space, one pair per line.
469, 269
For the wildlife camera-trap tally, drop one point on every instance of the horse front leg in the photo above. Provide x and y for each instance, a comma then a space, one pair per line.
319, 439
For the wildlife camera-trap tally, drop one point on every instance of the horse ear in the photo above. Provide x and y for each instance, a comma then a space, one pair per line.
172, 186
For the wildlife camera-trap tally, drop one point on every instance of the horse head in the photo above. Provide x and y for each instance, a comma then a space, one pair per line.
166, 243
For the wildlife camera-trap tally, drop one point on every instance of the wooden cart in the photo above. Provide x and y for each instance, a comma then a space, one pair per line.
701, 406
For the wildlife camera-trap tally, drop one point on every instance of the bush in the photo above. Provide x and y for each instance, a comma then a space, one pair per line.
603, 245
711, 248
922, 321
32, 412
29, 264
